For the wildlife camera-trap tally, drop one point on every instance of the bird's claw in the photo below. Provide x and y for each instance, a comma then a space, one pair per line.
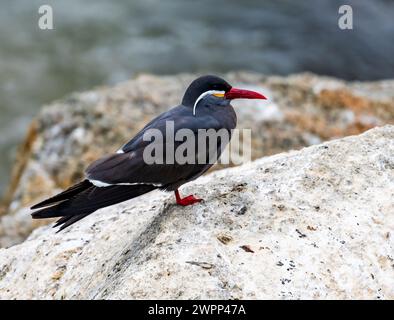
189, 200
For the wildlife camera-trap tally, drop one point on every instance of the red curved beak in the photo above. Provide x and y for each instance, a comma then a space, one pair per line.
235, 93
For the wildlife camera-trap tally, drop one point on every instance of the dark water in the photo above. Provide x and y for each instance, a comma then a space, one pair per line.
103, 42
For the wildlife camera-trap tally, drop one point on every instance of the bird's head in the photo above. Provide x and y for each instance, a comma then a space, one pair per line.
213, 85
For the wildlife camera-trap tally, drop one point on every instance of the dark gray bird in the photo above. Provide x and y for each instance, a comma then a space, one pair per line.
126, 174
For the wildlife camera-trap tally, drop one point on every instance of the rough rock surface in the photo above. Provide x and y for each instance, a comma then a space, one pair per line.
316, 223
303, 110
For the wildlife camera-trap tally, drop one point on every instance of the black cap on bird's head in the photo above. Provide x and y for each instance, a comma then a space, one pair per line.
213, 85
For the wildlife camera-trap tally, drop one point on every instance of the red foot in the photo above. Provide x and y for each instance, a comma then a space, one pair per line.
187, 200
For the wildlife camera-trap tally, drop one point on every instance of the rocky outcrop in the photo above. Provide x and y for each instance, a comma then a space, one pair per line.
316, 223
302, 110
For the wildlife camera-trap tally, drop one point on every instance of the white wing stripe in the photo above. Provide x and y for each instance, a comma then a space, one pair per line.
101, 184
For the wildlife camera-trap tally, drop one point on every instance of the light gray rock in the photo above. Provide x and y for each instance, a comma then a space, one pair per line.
316, 223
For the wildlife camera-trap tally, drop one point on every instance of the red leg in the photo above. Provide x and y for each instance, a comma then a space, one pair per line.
187, 200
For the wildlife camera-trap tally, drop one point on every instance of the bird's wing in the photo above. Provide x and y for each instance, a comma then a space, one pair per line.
160, 120
130, 168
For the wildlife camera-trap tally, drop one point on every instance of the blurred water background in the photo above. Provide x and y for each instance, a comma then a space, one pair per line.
104, 42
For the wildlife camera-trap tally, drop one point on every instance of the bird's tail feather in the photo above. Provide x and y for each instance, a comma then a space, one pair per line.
65, 195
77, 205
67, 221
